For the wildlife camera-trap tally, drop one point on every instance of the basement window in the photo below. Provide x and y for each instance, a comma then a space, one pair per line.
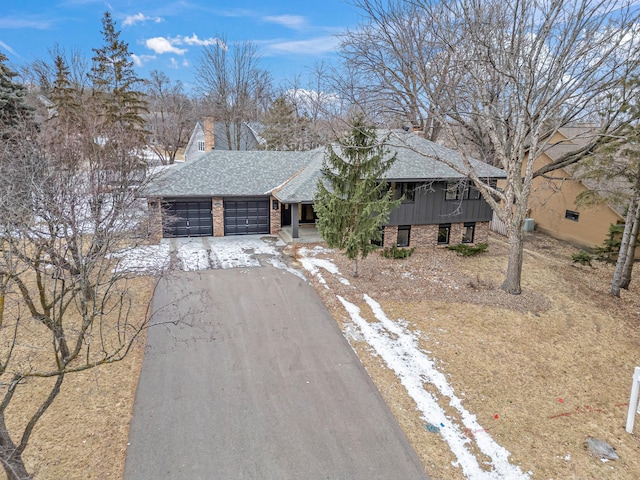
467, 232
404, 233
571, 215
444, 231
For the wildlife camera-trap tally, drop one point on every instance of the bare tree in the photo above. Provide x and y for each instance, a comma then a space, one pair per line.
68, 205
234, 86
526, 69
170, 118
400, 62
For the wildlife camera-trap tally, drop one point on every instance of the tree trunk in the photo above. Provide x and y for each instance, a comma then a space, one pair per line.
616, 281
627, 269
511, 282
14, 466
515, 234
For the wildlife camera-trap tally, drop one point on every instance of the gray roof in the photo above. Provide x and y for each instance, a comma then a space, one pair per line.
229, 173
419, 159
293, 176
301, 188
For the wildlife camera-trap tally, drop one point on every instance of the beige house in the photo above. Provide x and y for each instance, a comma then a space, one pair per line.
552, 202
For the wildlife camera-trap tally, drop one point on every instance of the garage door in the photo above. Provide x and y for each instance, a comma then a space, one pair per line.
246, 217
188, 218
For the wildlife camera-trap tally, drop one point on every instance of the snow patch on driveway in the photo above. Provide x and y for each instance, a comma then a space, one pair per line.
202, 253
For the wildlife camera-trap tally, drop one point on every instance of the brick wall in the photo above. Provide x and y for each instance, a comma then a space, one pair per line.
455, 237
155, 221
274, 217
427, 235
209, 136
423, 235
390, 236
481, 235
218, 216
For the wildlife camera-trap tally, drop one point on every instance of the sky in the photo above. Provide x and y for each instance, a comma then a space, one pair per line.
291, 35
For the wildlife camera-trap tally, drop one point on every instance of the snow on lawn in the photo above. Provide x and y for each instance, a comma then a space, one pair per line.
313, 265
398, 347
144, 259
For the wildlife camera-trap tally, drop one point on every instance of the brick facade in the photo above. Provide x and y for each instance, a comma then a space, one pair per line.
274, 217
155, 221
427, 235
217, 210
390, 236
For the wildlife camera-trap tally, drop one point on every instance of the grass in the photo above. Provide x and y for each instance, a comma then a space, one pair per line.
83, 435
542, 371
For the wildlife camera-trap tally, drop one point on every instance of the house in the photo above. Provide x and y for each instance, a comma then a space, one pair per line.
263, 192
552, 202
208, 135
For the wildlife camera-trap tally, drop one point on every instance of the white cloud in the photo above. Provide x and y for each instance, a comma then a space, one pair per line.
295, 22
194, 40
162, 45
312, 46
173, 63
140, 60
8, 48
139, 18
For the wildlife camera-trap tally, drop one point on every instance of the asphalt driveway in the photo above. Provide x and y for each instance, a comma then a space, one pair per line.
247, 376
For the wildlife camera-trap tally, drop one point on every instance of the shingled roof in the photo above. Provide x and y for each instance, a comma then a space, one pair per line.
292, 177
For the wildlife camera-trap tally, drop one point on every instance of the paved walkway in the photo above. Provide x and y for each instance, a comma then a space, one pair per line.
247, 376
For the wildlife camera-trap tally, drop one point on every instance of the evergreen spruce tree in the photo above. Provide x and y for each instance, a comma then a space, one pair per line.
284, 130
13, 106
355, 202
117, 100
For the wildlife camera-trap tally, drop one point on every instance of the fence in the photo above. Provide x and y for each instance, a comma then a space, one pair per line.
497, 225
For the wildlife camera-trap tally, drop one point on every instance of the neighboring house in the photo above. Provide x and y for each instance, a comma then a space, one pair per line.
261, 192
209, 135
552, 201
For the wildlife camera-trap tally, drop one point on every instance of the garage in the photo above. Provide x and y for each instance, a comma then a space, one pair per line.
246, 216
187, 218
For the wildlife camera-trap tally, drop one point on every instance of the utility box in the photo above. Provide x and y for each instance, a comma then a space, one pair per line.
529, 224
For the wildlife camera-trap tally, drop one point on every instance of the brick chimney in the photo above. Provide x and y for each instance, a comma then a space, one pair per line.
209, 138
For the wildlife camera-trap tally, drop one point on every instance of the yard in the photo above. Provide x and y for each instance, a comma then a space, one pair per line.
482, 382
534, 374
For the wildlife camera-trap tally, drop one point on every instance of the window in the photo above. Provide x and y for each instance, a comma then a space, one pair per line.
404, 232
571, 215
443, 233
406, 189
457, 191
201, 146
474, 193
452, 191
467, 232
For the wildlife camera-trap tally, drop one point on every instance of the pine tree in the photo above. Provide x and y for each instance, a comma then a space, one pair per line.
13, 106
355, 202
116, 98
284, 130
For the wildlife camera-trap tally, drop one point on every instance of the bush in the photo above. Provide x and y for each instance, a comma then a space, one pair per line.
467, 250
582, 257
395, 252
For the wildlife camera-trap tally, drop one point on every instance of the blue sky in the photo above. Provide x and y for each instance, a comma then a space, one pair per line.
169, 35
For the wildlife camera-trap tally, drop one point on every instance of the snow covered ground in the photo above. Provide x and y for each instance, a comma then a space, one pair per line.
398, 347
204, 253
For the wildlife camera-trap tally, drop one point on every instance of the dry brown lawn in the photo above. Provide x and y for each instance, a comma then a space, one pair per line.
542, 371
83, 435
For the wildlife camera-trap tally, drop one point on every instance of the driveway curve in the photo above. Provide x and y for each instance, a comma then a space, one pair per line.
247, 376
